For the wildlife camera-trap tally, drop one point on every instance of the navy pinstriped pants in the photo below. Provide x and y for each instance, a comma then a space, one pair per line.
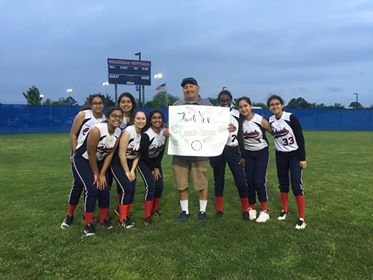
256, 171
230, 155
152, 188
83, 174
287, 162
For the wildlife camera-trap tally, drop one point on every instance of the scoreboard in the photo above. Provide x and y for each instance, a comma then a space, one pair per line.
129, 72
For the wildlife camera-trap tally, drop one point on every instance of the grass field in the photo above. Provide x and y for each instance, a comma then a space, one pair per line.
337, 244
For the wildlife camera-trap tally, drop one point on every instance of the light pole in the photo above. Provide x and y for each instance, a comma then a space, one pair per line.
357, 99
141, 88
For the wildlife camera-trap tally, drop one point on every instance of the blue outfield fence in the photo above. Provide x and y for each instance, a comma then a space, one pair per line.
47, 119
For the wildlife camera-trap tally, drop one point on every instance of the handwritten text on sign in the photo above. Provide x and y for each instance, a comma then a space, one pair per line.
197, 130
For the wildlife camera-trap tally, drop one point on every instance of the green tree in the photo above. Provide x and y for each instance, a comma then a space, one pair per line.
32, 96
161, 100
298, 103
68, 101
356, 105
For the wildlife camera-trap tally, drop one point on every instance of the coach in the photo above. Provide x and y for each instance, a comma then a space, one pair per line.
195, 168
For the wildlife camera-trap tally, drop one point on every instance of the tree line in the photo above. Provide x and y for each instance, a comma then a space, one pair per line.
163, 99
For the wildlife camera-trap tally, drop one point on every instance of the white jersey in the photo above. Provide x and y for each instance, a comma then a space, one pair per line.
232, 138
89, 121
157, 142
133, 148
105, 145
253, 134
285, 140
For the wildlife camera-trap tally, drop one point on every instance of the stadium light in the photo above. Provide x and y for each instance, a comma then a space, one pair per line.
104, 84
69, 90
158, 76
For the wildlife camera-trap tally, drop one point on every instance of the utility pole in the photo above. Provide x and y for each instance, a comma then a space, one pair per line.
140, 87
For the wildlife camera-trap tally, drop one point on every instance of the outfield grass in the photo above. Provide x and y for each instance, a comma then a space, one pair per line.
337, 244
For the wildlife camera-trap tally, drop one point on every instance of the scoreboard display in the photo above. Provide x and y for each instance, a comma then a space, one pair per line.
129, 72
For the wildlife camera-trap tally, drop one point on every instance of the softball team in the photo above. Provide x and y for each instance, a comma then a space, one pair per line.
256, 158
290, 156
152, 146
115, 146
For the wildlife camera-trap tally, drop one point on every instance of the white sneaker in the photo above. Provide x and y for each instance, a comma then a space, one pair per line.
283, 216
252, 214
263, 217
301, 224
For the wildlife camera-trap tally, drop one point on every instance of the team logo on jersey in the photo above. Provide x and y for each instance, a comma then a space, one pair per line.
280, 133
84, 132
251, 134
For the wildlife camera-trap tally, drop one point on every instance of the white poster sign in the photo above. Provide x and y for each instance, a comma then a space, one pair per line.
198, 130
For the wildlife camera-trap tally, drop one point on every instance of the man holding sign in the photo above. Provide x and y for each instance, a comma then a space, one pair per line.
197, 131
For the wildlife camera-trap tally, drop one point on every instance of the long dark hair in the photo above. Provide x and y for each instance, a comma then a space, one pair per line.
130, 96
276, 97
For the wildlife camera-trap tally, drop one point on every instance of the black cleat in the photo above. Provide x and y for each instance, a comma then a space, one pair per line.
202, 216
148, 221
107, 224
89, 230
67, 222
245, 216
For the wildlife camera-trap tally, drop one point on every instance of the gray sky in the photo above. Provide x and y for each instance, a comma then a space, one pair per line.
321, 50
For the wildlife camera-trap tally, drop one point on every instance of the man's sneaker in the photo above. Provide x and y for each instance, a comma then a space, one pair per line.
116, 211
245, 216
107, 224
283, 216
301, 224
67, 222
263, 217
219, 214
202, 216
148, 221
183, 217
252, 214
89, 230
156, 213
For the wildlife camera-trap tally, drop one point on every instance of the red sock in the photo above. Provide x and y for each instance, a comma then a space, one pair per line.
219, 203
88, 217
104, 214
284, 201
156, 202
264, 206
123, 212
244, 204
71, 209
148, 206
300, 205
252, 206
129, 208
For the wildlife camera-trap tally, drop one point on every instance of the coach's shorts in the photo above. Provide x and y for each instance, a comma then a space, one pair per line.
197, 171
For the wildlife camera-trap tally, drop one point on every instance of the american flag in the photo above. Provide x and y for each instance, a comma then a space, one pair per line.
161, 87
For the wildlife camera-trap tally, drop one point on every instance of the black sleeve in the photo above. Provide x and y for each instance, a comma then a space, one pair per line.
297, 129
157, 163
241, 144
144, 146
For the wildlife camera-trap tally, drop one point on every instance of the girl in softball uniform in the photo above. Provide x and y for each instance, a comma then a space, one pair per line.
83, 121
91, 162
152, 146
127, 104
290, 156
231, 155
123, 168
256, 158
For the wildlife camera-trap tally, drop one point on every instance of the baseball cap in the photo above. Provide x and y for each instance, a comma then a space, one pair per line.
189, 80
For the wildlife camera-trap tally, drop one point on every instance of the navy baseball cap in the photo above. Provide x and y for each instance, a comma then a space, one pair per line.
189, 80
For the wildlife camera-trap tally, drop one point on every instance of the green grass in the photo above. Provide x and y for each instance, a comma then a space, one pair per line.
337, 244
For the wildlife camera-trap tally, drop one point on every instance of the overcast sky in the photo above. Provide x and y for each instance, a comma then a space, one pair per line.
321, 50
